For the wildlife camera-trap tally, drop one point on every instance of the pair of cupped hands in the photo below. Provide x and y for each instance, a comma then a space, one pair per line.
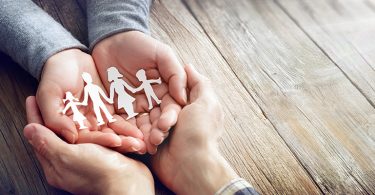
128, 52
189, 163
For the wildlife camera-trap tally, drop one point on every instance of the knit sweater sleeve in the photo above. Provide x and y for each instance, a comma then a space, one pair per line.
106, 18
30, 36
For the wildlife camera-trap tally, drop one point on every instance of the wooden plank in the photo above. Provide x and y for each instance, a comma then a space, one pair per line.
20, 172
325, 120
344, 29
250, 142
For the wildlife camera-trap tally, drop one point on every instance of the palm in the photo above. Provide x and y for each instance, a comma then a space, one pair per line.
59, 79
141, 52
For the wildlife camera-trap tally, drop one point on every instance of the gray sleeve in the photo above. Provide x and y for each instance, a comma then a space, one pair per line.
109, 17
30, 36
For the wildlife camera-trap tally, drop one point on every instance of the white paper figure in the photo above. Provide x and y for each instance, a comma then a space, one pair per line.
124, 100
72, 104
146, 86
95, 93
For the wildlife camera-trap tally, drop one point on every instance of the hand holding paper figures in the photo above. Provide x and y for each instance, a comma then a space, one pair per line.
131, 51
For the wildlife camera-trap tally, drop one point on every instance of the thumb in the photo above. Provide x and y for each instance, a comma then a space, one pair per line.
198, 84
44, 141
49, 106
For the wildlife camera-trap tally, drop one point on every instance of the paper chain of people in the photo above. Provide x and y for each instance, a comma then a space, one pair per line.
124, 101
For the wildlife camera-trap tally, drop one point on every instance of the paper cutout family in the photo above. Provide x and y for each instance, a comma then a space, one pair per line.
118, 86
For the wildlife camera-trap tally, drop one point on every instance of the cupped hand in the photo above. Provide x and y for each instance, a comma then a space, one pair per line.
84, 168
62, 73
190, 162
132, 51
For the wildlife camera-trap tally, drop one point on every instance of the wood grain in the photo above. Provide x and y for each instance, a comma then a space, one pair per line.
250, 142
321, 115
344, 30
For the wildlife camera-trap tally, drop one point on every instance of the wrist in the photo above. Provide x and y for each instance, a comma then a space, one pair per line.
111, 44
204, 172
68, 56
135, 181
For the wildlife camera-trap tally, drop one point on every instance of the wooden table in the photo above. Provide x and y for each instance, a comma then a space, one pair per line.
296, 79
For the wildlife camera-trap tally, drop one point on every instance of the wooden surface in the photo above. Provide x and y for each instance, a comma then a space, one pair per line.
296, 79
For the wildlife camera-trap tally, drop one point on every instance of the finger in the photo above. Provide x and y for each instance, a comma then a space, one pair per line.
100, 138
144, 124
45, 142
32, 111
169, 113
157, 137
197, 83
107, 130
132, 121
173, 72
155, 114
50, 108
123, 127
131, 144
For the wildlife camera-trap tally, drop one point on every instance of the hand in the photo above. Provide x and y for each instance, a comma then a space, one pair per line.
190, 162
132, 51
63, 72
84, 168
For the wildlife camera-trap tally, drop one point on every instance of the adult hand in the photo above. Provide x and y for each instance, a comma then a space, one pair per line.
190, 162
63, 72
132, 51
84, 168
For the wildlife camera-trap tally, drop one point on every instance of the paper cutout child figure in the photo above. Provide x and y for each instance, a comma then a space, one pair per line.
124, 100
146, 86
77, 115
95, 93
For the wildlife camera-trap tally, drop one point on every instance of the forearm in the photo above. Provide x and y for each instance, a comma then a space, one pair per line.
204, 172
30, 36
106, 18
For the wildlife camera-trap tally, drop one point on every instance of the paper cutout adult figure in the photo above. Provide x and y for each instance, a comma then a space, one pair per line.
95, 93
124, 100
146, 86
72, 104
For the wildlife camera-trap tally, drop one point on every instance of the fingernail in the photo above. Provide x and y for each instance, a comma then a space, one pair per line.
69, 136
29, 131
160, 141
136, 145
154, 152
117, 143
141, 152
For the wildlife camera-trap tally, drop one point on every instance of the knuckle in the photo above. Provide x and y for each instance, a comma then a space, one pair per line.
42, 146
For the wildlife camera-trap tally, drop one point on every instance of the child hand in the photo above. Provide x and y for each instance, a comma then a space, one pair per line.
132, 51
63, 72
